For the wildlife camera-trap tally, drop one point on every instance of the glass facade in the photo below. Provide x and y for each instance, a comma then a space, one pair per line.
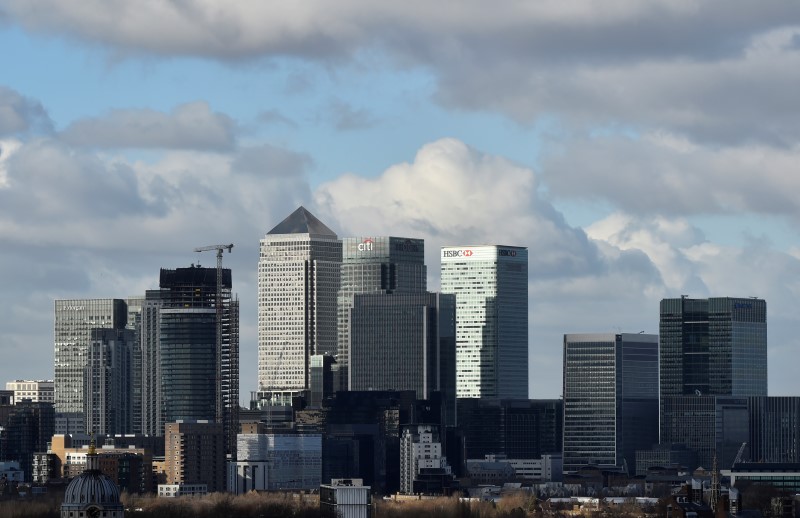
298, 281
610, 398
375, 265
715, 346
491, 288
107, 382
774, 429
74, 320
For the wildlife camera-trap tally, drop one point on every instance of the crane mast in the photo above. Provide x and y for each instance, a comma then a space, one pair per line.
220, 410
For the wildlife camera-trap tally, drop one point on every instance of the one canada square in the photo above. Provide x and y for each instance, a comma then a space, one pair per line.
490, 283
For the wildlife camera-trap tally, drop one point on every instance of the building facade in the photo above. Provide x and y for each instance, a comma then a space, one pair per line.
610, 399
404, 342
107, 382
192, 380
774, 429
195, 454
298, 282
491, 288
35, 390
74, 320
715, 346
276, 462
375, 265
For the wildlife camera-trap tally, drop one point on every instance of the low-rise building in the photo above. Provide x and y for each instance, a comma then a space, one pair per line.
346, 498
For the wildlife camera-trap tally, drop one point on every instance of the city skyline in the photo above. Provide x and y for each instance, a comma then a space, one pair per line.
628, 146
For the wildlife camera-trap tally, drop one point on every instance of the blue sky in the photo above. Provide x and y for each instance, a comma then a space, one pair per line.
640, 151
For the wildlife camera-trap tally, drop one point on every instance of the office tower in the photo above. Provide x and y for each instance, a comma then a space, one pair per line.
375, 265
107, 382
710, 426
322, 382
298, 280
774, 429
74, 319
35, 390
491, 288
516, 428
134, 324
610, 399
404, 342
195, 454
715, 346
179, 333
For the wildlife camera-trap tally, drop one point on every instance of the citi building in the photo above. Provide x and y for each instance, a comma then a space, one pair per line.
490, 283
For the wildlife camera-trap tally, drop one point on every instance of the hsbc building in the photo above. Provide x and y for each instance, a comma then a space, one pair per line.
490, 283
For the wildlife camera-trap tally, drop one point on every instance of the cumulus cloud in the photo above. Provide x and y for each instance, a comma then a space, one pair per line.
188, 126
19, 114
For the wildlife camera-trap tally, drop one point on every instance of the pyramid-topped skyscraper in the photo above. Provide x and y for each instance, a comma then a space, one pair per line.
298, 280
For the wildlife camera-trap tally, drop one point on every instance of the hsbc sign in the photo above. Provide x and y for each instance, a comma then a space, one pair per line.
457, 253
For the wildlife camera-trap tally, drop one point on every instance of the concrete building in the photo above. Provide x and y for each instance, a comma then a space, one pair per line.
35, 390
276, 462
107, 381
491, 288
25, 429
298, 282
73, 322
422, 461
610, 388
194, 452
375, 265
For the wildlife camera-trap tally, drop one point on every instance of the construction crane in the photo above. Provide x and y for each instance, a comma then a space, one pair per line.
220, 411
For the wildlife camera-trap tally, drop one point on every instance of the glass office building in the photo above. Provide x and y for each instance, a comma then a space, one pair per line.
774, 429
715, 346
491, 288
73, 322
610, 399
298, 281
379, 265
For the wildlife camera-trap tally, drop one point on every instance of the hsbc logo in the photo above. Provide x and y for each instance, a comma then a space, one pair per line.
365, 246
457, 253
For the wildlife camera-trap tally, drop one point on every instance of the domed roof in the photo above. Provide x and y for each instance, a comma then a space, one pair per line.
91, 487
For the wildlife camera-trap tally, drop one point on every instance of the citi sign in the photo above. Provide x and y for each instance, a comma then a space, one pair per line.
365, 246
457, 253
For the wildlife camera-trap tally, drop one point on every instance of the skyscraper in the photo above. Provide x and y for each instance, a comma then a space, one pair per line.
107, 382
491, 288
179, 343
73, 322
610, 398
715, 346
375, 265
298, 281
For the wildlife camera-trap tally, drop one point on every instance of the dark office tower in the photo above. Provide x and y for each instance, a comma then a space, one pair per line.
610, 399
404, 342
107, 382
298, 279
182, 351
715, 346
708, 425
27, 429
774, 429
375, 265
516, 428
